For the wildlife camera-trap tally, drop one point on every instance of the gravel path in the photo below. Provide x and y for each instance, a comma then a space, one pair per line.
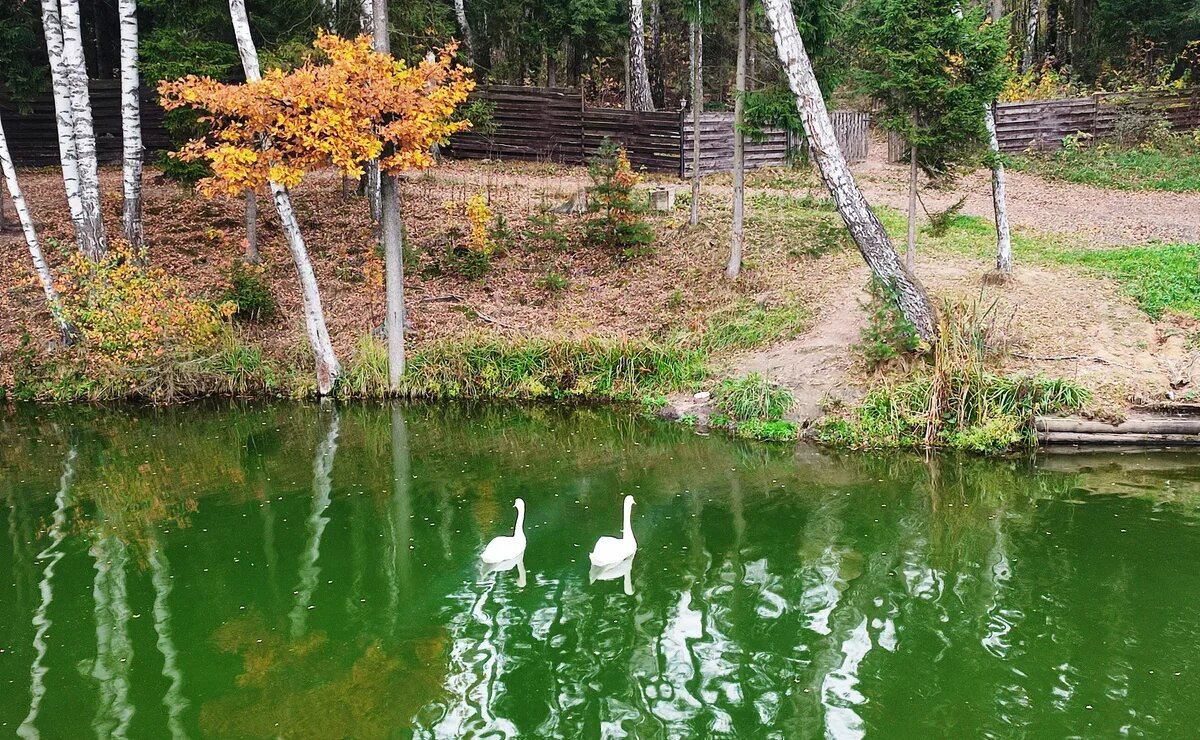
1109, 216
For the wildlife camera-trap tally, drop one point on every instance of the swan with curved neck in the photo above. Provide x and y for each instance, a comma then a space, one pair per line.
612, 550
501, 549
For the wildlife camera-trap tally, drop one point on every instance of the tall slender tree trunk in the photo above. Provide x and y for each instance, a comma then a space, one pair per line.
697, 49
999, 198
95, 244
460, 14
1032, 18
639, 73
64, 118
3, 210
392, 236
327, 367
31, 240
131, 125
654, 56
866, 230
253, 256
737, 233
910, 254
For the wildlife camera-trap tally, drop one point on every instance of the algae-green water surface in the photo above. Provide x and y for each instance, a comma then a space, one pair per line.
299, 571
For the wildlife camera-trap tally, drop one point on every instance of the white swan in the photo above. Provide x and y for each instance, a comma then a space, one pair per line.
610, 550
501, 549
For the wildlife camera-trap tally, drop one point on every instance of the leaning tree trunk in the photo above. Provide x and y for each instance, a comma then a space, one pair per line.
697, 49
131, 126
64, 118
1034, 11
639, 74
460, 13
866, 230
31, 239
94, 242
736, 231
391, 231
327, 366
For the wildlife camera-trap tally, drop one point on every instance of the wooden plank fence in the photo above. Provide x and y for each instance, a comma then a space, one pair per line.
33, 134
1043, 124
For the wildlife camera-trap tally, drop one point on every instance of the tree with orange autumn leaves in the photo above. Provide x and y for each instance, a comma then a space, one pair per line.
357, 106
354, 105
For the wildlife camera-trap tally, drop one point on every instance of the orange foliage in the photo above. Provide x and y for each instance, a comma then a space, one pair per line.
357, 106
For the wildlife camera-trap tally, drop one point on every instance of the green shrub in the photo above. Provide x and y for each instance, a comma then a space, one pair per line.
768, 431
887, 333
553, 282
752, 398
247, 288
617, 222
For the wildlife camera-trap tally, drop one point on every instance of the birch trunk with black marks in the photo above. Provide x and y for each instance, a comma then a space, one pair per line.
31, 240
64, 117
92, 241
460, 13
391, 232
999, 196
1032, 19
131, 126
639, 73
327, 367
866, 230
697, 54
737, 231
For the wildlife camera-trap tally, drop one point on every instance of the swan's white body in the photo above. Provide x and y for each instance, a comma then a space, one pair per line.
501, 549
612, 550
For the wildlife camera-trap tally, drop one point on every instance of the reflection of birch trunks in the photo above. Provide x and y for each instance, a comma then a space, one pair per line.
399, 521
114, 651
309, 570
41, 619
173, 700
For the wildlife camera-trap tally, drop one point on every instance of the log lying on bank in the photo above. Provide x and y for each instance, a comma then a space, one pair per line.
1149, 431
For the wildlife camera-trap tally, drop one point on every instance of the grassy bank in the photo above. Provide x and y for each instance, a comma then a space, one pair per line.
1170, 165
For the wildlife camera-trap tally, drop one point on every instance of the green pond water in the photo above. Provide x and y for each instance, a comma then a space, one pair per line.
293, 571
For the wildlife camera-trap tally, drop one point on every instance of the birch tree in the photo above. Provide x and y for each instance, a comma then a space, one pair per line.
327, 366
737, 233
639, 73
131, 125
999, 197
64, 119
1032, 17
391, 232
866, 230
40, 267
93, 241
460, 13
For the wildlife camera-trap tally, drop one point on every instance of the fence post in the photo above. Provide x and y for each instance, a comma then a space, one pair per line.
682, 145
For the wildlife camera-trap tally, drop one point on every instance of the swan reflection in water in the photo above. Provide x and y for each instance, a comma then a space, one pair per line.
615, 571
486, 569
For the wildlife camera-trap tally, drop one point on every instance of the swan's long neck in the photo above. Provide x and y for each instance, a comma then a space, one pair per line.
627, 529
519, 530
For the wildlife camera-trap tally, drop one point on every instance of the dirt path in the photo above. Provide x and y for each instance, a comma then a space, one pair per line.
1036, 205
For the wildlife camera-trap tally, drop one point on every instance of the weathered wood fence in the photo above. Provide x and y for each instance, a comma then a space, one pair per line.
553, 124
33, 134
1043, 124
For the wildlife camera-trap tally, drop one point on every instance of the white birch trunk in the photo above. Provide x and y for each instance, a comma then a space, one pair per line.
391, 233
367, 17
31, 240
1031, 30
131, 125
64, 116
174, 701
737, 233
460, 13
639, 73
697, 49
999, 198
327, 366
94, 243
866, 230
